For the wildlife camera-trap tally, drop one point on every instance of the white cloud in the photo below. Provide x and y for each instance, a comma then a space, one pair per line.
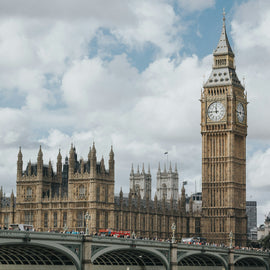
92, 85
258, 169
195, 5
156, 22
251, 38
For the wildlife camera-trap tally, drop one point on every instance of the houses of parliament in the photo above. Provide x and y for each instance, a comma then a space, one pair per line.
58, 199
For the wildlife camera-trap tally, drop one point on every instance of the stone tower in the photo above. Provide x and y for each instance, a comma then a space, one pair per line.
140, 182
224, 131
167, 183
90, 189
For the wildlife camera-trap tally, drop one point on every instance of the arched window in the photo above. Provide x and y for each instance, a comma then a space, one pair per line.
80, 219
164, 191
81, 191
46, 220
98, 194
29, 192
55, 219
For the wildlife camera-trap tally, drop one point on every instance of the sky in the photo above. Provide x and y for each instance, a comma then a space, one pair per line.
128, 74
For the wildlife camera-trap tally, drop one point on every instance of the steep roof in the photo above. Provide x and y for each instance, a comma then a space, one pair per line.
223, 46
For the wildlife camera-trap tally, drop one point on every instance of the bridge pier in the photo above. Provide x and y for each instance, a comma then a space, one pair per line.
231, 260
86, 255
173, 257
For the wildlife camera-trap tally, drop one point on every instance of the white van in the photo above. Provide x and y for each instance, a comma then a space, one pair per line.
21, 227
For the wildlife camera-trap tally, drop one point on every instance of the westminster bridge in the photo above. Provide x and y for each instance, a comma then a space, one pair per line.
35, 250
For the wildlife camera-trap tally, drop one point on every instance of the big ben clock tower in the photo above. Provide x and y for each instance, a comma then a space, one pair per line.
224, 131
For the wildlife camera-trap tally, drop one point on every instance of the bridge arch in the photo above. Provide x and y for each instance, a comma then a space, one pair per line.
32, 254
202, 259
246, 262
146, 257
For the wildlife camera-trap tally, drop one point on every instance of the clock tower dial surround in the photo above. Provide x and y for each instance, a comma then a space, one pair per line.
224, 131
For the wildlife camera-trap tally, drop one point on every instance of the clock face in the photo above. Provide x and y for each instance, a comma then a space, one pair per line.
240, 112
216, 111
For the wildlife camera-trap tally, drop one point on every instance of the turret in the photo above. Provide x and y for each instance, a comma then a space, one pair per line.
40, 164
132, 170
191, 205
71, 169
59, 167
19, 165
121, 198
93, 160
12, 199
155, 201
82, 166
50, 171
29, 171
102, 166
183, 200
111, 162
170, 169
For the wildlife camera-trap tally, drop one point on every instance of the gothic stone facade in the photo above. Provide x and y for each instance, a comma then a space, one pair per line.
59, 201
54, 201
224, 131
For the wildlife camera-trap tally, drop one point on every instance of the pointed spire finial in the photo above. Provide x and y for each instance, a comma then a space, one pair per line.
111, 153
149, 168
59, 157
143, 168
40, 151
224, 13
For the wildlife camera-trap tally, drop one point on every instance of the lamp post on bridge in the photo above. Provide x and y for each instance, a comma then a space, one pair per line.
87, 218
231, 238
173, 231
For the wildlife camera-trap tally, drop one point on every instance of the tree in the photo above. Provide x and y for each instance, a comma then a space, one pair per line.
266, 241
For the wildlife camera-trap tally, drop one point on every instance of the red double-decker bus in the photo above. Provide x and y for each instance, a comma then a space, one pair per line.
108, 232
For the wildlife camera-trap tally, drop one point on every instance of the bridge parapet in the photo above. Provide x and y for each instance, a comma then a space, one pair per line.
40, 235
